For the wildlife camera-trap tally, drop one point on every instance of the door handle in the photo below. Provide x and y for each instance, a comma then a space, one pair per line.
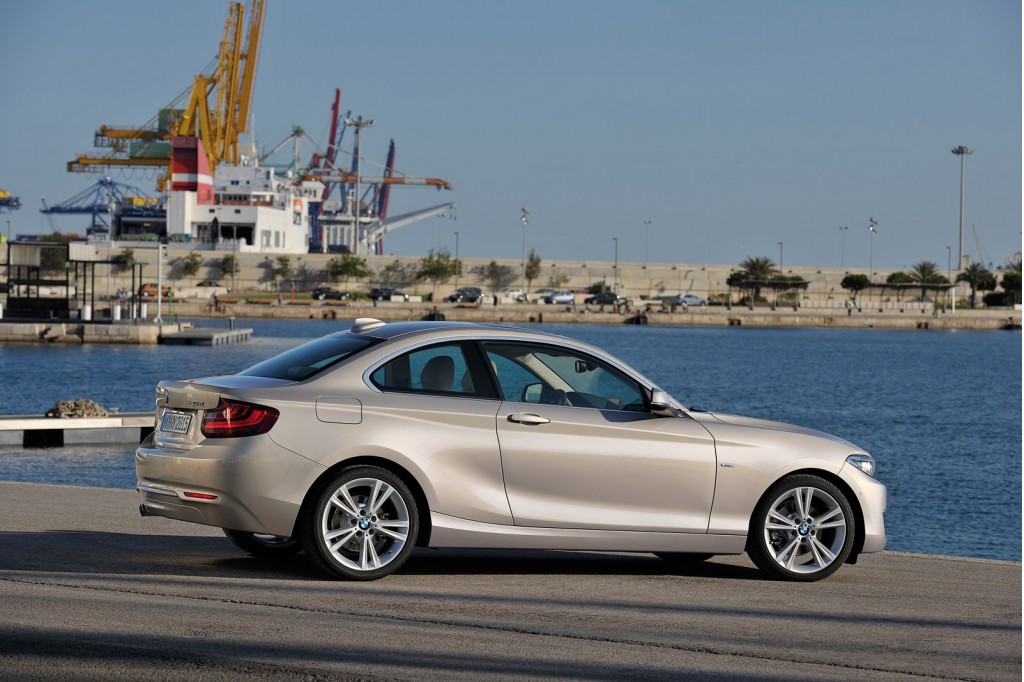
527, 418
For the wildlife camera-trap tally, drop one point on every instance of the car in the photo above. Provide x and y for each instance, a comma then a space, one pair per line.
208, 283
387, 294
603, 298
688, 300
515, 293
560, 297
324, 293
149, 289
464, 295
363, 444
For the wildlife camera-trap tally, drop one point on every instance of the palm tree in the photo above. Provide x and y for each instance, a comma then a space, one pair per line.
754, 270
926, 272
978, 278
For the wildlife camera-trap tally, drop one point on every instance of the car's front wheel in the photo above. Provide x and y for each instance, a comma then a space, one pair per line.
266, 546
803, 529
362, 525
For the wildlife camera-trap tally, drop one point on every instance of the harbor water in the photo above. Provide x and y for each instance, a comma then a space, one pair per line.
941, 411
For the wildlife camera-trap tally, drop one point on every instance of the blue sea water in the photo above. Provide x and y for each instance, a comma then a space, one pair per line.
941, 411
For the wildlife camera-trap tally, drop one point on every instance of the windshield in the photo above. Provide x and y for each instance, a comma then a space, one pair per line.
311, 358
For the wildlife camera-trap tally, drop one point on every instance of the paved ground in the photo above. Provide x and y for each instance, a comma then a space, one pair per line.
89, 590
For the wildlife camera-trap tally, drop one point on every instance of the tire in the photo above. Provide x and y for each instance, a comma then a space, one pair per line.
683, 557
264, 546
803, 529
348, 536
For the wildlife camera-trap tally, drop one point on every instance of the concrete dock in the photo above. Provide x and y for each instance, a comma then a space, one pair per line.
39, 431
89, 590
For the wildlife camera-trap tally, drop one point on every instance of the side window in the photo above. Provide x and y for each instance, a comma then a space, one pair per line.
441, 369
555, 376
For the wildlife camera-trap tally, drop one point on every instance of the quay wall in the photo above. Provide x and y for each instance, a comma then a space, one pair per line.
635, 280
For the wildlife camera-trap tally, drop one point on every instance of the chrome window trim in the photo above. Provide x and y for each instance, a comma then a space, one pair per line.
477, 338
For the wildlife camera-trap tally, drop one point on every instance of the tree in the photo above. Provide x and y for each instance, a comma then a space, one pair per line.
1011, 285
532, 269
496, 276
282, 268
926, 272
438, 267
753, 272
124, 261
978, 278
558, 279
347, 266
397, 274
855, 284
191, 263
228, 266
899, 278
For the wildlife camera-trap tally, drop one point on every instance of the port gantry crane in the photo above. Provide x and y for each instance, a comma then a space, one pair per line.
7, 202
101, 201
217, 110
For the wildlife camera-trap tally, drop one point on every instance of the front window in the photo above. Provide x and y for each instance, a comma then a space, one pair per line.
551, 375
311, 358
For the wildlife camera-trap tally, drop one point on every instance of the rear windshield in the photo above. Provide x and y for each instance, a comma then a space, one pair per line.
311, 358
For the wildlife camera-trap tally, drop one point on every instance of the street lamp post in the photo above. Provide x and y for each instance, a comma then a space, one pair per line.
963, 152
358, 124
780, 258
949, 262
842, 252
872, 224
647, 242
615, 267
525, 218
457, 268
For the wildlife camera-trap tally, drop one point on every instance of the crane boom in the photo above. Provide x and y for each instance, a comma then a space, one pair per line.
216, 112
346, 176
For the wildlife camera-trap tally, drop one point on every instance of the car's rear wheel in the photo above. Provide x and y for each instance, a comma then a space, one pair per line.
363, 524
683, 557
258, 544
803, 529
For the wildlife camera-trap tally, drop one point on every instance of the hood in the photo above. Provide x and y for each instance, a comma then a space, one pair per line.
775, 426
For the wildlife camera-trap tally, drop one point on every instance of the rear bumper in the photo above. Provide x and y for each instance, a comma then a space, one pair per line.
247, 484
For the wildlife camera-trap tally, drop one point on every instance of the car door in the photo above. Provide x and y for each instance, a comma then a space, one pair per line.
579, 450
436, 405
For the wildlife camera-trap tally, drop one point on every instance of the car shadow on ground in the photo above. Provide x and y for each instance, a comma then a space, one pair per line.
203, 556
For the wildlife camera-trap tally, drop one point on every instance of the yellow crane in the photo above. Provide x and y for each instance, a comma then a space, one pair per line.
217, 110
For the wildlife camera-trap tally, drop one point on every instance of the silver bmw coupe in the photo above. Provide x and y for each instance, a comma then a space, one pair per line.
361, 445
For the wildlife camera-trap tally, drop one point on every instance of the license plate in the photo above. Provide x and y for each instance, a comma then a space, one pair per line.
176, 422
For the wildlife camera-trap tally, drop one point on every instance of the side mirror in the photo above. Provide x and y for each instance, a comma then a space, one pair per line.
661, 405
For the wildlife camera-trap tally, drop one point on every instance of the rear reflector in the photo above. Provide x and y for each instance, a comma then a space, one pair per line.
231, 419
199, 496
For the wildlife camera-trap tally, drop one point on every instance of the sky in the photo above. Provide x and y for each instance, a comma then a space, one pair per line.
730, 126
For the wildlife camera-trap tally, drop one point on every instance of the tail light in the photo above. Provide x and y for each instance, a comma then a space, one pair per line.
231, 419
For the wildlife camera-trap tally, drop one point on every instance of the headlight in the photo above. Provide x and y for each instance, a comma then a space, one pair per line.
865, 463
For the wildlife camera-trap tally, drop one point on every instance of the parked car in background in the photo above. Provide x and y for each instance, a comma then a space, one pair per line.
560, 297
361, 445
603, 298
515, 293
208, 283
464, 295
149, 289
386, 294
688, 300
327, 293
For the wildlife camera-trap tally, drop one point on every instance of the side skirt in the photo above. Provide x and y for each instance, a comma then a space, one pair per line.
450, 531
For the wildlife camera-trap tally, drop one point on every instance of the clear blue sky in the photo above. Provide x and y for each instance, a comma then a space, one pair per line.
732, 126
